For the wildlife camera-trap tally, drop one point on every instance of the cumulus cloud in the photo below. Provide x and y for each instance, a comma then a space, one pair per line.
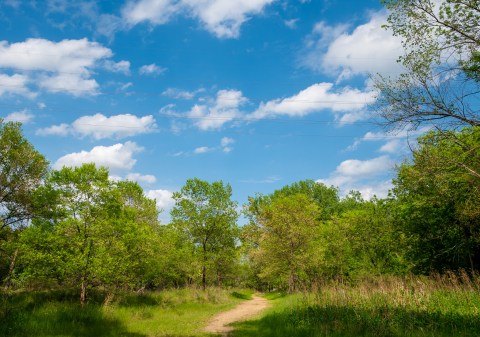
55, 130
141, 178
118, 157
163, 198
65, 66
224, 109
15, 84
365, 176
348, 103
23, 117
368, 49
99, 126
151, 69
222, 18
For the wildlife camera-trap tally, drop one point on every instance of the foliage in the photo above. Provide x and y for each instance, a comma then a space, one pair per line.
205, 214
440, 201
94, 232
440, 81
21, 170
286, 251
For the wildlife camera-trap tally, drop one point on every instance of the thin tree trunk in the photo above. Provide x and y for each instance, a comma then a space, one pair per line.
83, 292
204, 268
10, 269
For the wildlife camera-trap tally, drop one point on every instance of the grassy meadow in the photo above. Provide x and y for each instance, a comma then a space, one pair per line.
446, 305
390, 307
179, 312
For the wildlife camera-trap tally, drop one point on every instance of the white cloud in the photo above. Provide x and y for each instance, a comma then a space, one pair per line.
164, 198
391, 146
55, 130
156, 12
202, 149
15, 84
151, 69
117, 67
368, 49
225, 141
181, 94
65, 66
100, 127
117, 157
23, 117
318, 97
354, 168
362, 176
147, 178
395, 140
224, 109
292, 23
223, 18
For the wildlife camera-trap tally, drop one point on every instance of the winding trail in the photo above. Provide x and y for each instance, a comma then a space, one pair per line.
248, 309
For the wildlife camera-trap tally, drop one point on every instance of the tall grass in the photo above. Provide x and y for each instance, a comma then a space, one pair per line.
447, 305
178, 312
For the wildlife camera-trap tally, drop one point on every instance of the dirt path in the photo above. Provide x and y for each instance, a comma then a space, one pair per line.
219, 324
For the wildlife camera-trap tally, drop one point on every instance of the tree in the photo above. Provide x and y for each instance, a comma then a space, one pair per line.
287, 232
91, 232
439, 196
326, 198
205, 213
21, 171
440, 85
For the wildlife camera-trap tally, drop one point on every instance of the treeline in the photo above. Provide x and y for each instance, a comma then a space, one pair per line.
76, 228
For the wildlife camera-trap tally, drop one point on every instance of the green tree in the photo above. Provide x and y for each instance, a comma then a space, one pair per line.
326, 198
92, 232
440, 84
21, 171
286, 233
207, 216
439, 200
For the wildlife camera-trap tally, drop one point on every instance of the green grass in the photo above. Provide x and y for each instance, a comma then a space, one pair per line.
181, 312
388, 307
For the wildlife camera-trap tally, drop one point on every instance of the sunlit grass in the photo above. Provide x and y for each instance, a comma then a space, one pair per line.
447, 306
181, 312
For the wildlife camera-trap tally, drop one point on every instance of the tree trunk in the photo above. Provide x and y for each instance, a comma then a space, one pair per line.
10, 269
204, 267
83, 292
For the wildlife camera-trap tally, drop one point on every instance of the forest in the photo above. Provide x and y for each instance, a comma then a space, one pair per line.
403, 265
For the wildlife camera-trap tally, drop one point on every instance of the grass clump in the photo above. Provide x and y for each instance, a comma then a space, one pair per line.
440, 306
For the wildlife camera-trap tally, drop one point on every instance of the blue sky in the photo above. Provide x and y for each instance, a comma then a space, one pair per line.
257, 93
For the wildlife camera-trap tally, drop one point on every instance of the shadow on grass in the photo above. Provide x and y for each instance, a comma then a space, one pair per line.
242, 296
336, 321
55, 314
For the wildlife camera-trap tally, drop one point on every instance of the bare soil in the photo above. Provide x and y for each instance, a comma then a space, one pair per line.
221, 323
